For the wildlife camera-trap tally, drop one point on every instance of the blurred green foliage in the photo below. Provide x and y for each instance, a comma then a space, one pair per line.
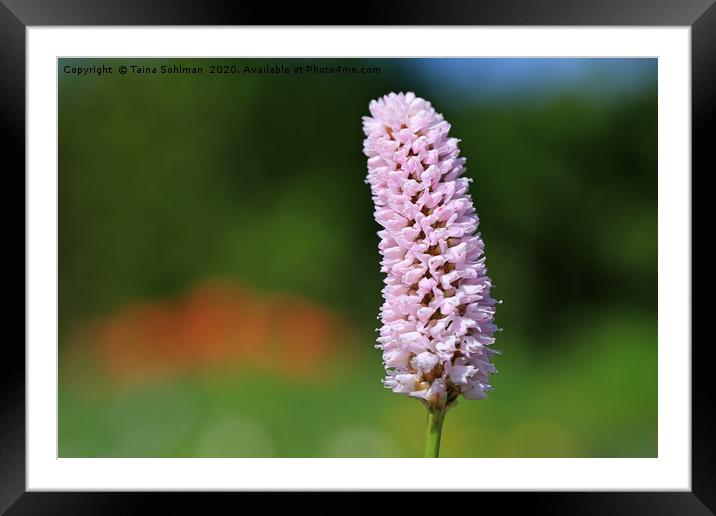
167, 180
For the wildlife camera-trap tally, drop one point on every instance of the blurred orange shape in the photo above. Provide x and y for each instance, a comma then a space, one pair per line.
218, 323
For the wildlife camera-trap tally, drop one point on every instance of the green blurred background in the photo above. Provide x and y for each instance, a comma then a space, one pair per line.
218, 265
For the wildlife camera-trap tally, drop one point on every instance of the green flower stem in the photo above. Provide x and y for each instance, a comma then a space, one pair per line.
435, 428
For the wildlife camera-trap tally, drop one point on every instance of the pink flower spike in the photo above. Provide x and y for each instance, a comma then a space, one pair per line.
438, 312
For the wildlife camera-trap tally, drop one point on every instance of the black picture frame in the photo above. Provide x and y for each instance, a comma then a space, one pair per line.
17, 15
